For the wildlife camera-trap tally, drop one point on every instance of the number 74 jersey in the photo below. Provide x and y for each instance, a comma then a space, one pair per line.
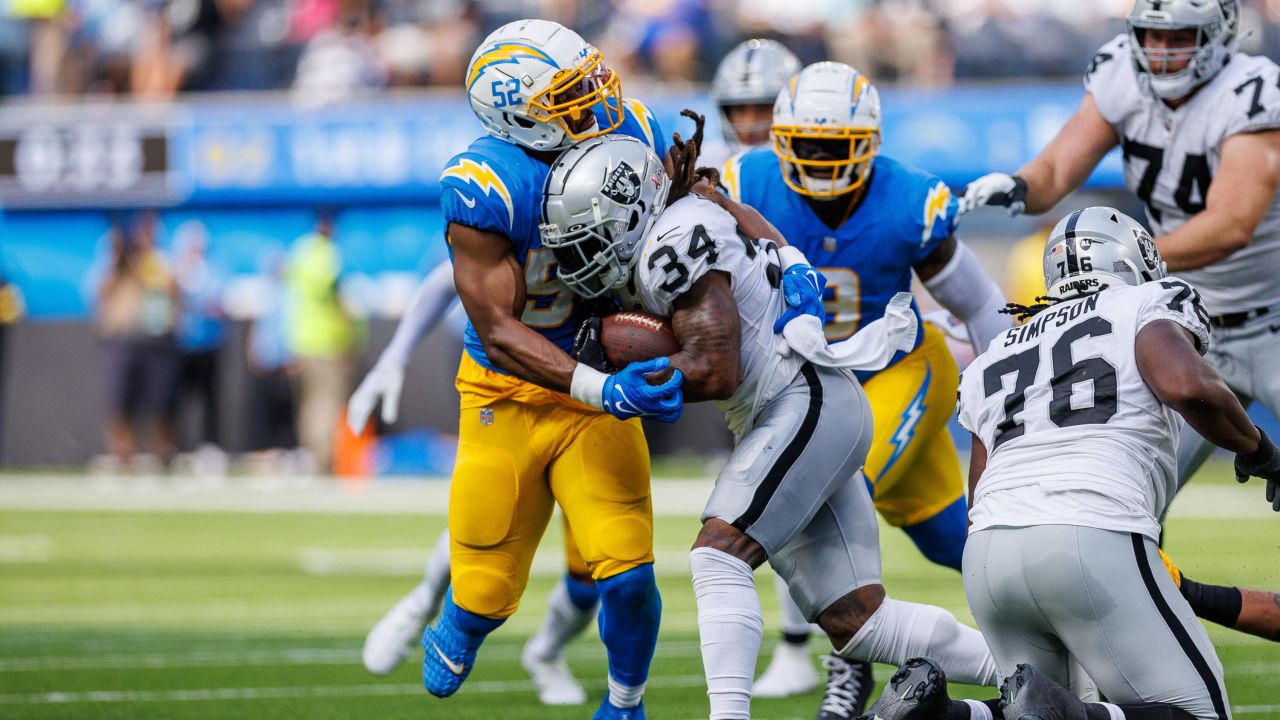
1171, 157
1063, 411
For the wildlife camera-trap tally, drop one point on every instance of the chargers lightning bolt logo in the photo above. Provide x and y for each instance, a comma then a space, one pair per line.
483, 177
910, 420
935, 208
506, 53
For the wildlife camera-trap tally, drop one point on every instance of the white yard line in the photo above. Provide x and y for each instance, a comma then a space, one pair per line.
21, 549
426, 496
288, 656
478, 687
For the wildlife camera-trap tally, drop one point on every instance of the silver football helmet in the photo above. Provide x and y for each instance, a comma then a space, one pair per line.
1097, 248
1215, 23
752, 73
600, 199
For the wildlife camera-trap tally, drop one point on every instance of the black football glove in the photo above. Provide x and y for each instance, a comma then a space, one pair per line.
1264, 463
587, 348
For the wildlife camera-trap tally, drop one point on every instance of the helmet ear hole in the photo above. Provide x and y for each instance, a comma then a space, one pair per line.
634, 221
525, 123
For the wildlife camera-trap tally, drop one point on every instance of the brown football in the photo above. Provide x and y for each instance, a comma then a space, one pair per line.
630, 337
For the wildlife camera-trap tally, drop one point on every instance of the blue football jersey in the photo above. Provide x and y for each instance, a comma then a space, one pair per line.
905, 214
496, 186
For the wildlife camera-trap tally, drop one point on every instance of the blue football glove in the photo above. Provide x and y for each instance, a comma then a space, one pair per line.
628, 394
802, 288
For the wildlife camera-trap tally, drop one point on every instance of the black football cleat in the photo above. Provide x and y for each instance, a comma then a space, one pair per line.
1029, 695
918, 691
849, 686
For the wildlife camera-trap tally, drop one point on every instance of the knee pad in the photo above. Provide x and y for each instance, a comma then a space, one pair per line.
484, 582
941, 538
622, 541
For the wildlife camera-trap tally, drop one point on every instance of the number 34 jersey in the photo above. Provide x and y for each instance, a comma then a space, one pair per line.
1073, 434
695, 236
1171, 156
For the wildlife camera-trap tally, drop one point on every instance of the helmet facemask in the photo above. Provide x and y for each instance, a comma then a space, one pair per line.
573, 95
825, 162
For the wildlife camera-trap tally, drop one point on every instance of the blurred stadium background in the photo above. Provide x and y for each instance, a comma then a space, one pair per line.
209, 141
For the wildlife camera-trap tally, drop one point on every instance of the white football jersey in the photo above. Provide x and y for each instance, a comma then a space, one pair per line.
694, 236
1073, 434
1171, 156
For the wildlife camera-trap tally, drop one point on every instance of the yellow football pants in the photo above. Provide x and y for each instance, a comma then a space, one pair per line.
522, 450
913, 468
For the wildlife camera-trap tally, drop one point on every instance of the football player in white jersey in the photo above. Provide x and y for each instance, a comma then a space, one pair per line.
792, 493
1199, 124
745, 85
1074, 422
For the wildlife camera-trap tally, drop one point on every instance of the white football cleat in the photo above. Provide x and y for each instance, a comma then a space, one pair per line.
552, 678
790, 672
395, 635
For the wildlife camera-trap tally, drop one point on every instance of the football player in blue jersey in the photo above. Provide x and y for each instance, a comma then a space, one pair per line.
868, 222
536, 428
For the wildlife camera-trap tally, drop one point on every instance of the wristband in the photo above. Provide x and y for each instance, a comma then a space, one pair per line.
790, 255
588, 386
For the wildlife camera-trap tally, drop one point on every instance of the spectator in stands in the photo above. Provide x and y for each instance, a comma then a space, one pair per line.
202, 330
341, 61
271, 393
664, 40
322, 337
178, 48
136, 313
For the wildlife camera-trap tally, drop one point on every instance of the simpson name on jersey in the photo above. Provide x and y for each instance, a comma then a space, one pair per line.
1069, 378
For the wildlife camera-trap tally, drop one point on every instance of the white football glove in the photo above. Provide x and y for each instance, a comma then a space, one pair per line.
996, 189
384, 382
948, 324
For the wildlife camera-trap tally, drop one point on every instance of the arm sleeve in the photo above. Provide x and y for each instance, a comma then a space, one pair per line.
964, 289
430, 301
1177, 300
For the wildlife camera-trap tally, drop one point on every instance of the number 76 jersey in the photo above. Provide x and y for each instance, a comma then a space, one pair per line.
1073, 433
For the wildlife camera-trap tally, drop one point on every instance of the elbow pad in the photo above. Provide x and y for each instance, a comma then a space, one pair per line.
968, 293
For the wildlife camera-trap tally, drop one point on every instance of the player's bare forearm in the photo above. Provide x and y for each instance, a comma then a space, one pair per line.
491, 286
1239, 196
1180, 378
932, 265
977, 466
1069, 158
1259, 614
706, 324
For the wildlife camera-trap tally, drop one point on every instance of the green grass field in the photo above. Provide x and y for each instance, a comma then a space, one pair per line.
128, 614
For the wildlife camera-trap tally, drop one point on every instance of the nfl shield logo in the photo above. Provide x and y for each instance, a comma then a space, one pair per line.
486, 416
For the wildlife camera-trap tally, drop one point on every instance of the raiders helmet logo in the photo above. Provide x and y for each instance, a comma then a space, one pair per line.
1147, 246
623, 185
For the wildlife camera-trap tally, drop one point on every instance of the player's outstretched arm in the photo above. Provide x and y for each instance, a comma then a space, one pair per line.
1061, 167
706, 323
491, 284
1242, 190
1180, 378
386, 379
954, 277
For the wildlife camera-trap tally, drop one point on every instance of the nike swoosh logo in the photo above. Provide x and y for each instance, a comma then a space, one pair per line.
454, 667
469, 202
1275, 327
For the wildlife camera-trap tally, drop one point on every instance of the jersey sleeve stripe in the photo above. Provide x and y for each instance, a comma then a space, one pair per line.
483, 177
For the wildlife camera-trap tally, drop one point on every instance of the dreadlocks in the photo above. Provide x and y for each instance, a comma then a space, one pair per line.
684, 159
1025, 312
